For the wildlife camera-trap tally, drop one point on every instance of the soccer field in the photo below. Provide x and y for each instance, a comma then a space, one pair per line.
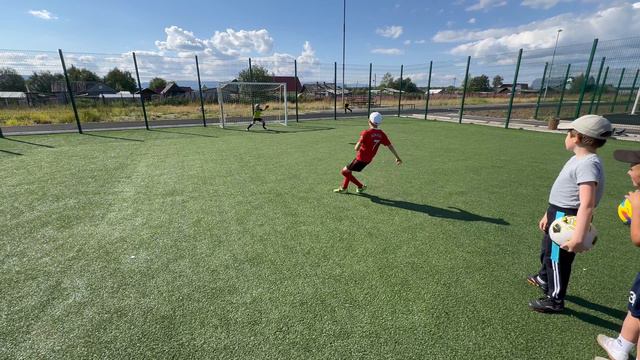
211, 243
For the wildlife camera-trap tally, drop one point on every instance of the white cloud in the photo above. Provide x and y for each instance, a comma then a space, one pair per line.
233, 43
540, 4
393, 31
486, 4
391, 51
229, 43
603, 24
407, 42
472, 21
43, 14
636, 5
419, 41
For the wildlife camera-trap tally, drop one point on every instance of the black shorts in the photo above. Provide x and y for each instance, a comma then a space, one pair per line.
357, 165
634, 301
257, 119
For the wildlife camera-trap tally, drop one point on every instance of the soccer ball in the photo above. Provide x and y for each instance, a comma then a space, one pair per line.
624, 211
562, 229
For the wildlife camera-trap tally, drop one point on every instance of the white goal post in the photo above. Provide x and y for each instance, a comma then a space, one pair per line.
238, 101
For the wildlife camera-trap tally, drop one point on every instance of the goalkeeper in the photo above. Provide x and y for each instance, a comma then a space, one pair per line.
257, 116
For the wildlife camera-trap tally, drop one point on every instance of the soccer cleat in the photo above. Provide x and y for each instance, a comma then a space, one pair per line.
537, 282
611, 346
339, 191
362, 189
247, 129
546, 304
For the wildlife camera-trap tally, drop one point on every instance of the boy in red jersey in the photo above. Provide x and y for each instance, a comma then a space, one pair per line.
367, 147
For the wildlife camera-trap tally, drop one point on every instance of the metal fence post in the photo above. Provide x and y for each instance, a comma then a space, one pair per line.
586, 77
615, 97
426, 105
400, 93
1, 134
335, 90
564, 86
633, 88
295, 78
464, 90
73, 101
604, 85
595, 91
204, 119
144, 110
369, 95
253, 101
513, 90
544, 74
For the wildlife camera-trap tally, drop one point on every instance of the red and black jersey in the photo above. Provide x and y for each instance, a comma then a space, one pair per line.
370, 140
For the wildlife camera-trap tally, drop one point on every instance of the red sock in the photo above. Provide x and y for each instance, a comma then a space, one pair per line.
345, 182
354, 180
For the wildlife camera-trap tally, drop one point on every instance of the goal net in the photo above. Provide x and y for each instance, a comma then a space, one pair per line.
238, 101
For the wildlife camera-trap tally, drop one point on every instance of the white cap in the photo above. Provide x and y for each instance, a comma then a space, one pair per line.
594, 126
375, 118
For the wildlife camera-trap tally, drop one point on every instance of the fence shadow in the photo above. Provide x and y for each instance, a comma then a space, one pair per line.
181, 133
451, 212
10, 152
113, 137
30, 143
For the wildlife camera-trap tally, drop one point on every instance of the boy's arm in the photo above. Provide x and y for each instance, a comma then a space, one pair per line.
358, 144
634, 199
393, 151
587, 193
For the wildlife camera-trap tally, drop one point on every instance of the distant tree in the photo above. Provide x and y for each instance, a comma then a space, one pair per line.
497, 81
120, 80
43, 81
479, 83
76, 74
407, 85
10, 80
387, 80
157, 83
260, 74
578, 83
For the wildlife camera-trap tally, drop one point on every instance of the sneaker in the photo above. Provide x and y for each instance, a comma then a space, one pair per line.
610, 345
340, 190
362, 189
247, 129
537, 282
547, 304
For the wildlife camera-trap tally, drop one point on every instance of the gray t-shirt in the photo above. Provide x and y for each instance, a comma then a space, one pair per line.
565, 190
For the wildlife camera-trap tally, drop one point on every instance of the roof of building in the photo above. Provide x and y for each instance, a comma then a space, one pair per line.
12, 95
291, 82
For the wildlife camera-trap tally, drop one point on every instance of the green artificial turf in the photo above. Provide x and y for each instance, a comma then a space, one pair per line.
212, 243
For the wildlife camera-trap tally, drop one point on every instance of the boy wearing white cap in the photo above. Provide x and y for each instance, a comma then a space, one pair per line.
366, 147
576, 192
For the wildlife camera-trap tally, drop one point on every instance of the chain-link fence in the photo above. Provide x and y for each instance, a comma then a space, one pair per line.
147, 88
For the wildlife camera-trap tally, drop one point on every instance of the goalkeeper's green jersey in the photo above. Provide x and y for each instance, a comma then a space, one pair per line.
257, 113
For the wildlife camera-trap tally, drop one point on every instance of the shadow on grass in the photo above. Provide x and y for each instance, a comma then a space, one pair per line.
112, 137
289, 130
454, 213
181, 133
616, 313
593, 320
30, 143
10, 152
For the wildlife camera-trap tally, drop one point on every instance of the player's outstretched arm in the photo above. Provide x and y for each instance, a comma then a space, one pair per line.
393, 151
358, 145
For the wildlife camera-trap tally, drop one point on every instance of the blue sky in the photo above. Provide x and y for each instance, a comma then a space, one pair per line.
382, 32
120, 26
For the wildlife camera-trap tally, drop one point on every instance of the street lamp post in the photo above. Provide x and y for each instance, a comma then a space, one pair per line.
344, 28
551, 66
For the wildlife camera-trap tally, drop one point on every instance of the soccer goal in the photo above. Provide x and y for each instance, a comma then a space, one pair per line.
238, 101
